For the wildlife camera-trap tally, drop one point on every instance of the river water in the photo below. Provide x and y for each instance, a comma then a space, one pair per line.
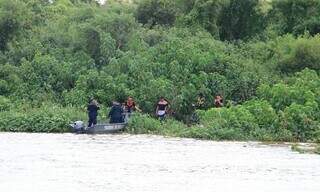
143, 163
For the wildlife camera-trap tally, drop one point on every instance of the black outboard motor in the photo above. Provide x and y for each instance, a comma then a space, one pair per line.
78, 127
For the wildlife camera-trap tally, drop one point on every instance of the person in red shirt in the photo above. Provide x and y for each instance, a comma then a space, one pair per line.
131, 106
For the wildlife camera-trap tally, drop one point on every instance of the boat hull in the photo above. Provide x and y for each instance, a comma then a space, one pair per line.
106, 128
101, 128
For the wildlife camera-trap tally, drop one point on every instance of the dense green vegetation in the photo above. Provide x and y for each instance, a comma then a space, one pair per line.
262, 56
281, 112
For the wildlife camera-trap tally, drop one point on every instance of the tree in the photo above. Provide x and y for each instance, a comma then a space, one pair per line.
206, 13
156, 12
296, 16
240, 19
93, 43
11, 20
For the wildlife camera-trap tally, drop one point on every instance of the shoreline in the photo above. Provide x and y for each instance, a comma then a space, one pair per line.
300, 147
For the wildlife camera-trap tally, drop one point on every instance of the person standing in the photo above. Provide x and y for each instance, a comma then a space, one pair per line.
131, 105
199, 105
92, 109
201, 102
116, 113
162, 108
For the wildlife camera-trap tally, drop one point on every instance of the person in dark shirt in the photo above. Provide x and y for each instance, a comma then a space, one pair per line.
116, 113
92, 109
162, 108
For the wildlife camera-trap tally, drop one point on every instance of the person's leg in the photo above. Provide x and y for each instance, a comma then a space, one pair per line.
129, 112
162, 117
94, 121
122, 119
90, 121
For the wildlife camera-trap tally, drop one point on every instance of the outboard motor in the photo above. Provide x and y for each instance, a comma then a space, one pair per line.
78, 127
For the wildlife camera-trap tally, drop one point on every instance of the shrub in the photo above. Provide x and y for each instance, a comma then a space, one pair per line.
144, 124
294, 107
295, 54
265, 116
300, 89
301, 121
5, 104
234, 123
258, 120
48, 118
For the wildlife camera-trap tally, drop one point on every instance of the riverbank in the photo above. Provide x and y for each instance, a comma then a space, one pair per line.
215, 124
50, 118
306, 148
231, 131
286, 112
144, 124
172, 128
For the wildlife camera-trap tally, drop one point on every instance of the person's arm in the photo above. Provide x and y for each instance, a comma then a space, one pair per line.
167, 107
157, 110
111, 112
138, 109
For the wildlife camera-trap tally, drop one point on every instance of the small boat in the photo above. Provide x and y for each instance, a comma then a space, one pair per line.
102, 128
106, 128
